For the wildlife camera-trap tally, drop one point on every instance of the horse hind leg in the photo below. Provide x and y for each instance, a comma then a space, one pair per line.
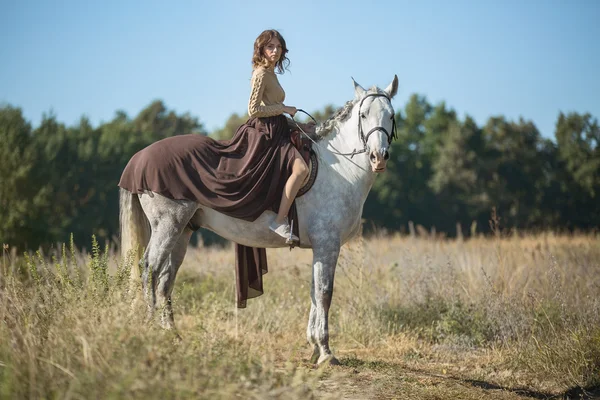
165, 253
156, 265
168, 219
166, 280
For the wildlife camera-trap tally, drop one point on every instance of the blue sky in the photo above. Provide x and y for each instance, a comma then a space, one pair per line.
525, 58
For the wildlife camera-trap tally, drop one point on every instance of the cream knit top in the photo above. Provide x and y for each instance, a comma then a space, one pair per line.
267, 95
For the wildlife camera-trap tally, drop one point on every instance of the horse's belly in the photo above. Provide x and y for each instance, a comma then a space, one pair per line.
252, 234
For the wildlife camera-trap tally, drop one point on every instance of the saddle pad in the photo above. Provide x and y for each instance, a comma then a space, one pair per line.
313, 167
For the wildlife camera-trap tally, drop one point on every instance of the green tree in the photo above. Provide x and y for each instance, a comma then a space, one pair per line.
457, 177
513, 171
156, 122
17, 191
576, 180
55, 167
60, 180
231, 126
56, 180
437, 125
320, 115
578, 139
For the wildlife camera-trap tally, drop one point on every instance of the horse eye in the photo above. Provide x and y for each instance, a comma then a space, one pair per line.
362, 115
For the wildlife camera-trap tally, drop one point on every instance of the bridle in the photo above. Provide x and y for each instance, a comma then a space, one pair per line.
363, 138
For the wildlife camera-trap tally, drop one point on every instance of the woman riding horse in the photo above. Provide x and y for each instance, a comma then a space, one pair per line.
180, 184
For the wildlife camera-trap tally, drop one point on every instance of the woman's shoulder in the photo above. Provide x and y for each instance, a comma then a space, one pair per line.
261, 71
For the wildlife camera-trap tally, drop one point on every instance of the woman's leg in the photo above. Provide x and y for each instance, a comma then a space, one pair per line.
299, 173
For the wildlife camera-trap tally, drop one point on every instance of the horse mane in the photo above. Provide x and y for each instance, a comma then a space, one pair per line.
341, 115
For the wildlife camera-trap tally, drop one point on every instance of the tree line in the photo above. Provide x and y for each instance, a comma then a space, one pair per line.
446, 171
443, 172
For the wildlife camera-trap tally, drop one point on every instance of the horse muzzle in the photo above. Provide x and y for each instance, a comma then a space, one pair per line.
378, 160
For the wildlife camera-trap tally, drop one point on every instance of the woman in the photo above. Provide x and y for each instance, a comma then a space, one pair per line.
266, 103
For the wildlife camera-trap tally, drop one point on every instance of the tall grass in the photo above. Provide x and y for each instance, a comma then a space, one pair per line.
515, 311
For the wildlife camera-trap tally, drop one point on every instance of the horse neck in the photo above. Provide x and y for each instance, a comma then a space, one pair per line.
356, 170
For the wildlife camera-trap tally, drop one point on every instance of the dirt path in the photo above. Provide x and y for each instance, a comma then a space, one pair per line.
356, 379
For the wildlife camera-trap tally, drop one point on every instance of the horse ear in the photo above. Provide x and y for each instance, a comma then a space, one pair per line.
392, 89
358, 90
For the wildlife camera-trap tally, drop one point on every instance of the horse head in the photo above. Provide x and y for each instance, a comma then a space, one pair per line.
376, 122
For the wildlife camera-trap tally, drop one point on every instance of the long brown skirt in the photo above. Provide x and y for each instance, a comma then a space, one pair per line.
241, 177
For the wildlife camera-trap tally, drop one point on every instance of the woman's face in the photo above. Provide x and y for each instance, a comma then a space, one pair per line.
273, 51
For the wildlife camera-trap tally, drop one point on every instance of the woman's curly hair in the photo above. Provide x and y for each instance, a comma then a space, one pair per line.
258, 58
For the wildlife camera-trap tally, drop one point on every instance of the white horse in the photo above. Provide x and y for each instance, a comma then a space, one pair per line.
329, 214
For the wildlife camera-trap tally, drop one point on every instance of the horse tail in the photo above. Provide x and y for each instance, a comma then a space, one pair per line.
135, 230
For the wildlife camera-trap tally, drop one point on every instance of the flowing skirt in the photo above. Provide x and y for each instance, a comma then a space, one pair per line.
241, 177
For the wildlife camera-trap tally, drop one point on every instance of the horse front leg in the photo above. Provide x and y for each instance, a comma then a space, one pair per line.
312, 322
323, 273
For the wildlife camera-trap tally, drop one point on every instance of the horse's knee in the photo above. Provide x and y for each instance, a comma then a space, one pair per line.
324, 294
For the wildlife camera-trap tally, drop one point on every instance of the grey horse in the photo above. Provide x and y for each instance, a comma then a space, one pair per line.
352, 148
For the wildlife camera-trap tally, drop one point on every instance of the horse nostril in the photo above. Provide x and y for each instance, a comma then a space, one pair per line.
372, 157
386, 155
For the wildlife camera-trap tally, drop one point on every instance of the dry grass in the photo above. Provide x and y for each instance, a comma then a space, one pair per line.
506, 318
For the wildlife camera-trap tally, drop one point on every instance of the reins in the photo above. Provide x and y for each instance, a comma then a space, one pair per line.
361, 135
334, 151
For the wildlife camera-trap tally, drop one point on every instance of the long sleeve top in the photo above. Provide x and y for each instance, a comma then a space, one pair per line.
266, 96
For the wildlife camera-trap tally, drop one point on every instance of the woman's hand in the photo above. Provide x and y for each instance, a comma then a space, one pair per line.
290, 110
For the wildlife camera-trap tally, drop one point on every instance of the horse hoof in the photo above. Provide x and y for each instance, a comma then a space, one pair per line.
328, 359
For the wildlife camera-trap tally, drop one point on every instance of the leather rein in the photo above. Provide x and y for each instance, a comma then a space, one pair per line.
363, 138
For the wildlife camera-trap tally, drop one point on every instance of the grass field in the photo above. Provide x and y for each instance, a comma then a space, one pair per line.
495, 318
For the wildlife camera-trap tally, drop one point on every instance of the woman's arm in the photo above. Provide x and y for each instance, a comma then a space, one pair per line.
255, 109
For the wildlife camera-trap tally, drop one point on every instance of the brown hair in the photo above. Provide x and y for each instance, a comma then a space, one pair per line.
258, 58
